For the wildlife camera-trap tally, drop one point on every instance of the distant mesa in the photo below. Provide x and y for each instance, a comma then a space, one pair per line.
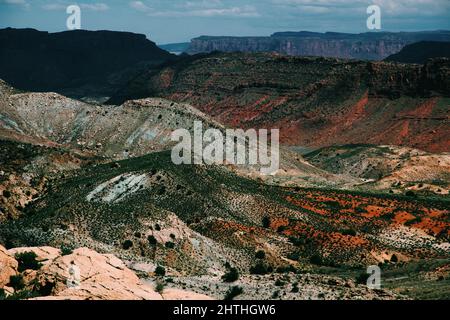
363, 46
74, 62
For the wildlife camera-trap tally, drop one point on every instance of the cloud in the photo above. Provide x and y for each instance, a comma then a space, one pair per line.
22, 3
140, 6
211, 8
388, 7
95, 6
87, 6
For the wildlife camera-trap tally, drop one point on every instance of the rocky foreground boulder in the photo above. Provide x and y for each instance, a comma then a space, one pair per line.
45, 273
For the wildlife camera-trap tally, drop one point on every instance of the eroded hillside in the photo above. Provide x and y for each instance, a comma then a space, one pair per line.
314, 101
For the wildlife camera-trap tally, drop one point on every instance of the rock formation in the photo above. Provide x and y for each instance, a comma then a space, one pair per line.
80, 275
366, 46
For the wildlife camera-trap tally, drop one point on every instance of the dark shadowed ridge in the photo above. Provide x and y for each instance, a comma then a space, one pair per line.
420, 52
74, 61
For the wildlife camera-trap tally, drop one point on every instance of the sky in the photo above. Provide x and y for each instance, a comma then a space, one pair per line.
170, 21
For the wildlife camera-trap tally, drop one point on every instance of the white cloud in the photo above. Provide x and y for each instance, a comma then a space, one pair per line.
22, 3
204, 8
15, 2
388, 7
87, 6
140, 6
95, 6
54, 6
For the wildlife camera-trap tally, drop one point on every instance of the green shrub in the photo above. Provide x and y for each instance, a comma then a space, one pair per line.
233, 292
159, 287
362, 278
170, 245
16, 282
231, 276
28, 261
279, 283
294, 256
286, 269
349, 232
152, 240
160, 271
410, 193
66, 250
6, 193
127, 244
266, 222
260, 254
260, 268
316, 259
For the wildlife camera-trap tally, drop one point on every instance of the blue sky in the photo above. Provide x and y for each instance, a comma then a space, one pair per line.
167, 21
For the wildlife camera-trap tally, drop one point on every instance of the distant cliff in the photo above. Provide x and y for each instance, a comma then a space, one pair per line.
420, 52
73, 60
365, 46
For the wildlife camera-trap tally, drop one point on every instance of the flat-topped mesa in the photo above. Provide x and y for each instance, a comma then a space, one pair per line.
365, 46
95, 60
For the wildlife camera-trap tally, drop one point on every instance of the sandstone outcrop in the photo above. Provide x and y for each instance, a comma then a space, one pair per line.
81, 275
8, 267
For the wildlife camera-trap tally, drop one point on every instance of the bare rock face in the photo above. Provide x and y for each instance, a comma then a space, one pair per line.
8, 267
86, 274
82, 275
177, 294
365, 46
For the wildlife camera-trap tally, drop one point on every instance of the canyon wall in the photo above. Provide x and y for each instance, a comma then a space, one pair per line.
365, 46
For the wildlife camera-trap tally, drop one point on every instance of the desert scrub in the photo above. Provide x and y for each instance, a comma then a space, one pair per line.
233, 292
160, 271
28, 261
231, 275
16, 282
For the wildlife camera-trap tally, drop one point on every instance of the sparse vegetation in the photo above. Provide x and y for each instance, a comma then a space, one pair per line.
349, 232
170, 245
160, 271
159, 287
362, 278
233, 292
27, 261
266, 222
127, 244
261, 269
66, 250
231, 275
316, 259
152, 240
16, 282
260, 254
6, 193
